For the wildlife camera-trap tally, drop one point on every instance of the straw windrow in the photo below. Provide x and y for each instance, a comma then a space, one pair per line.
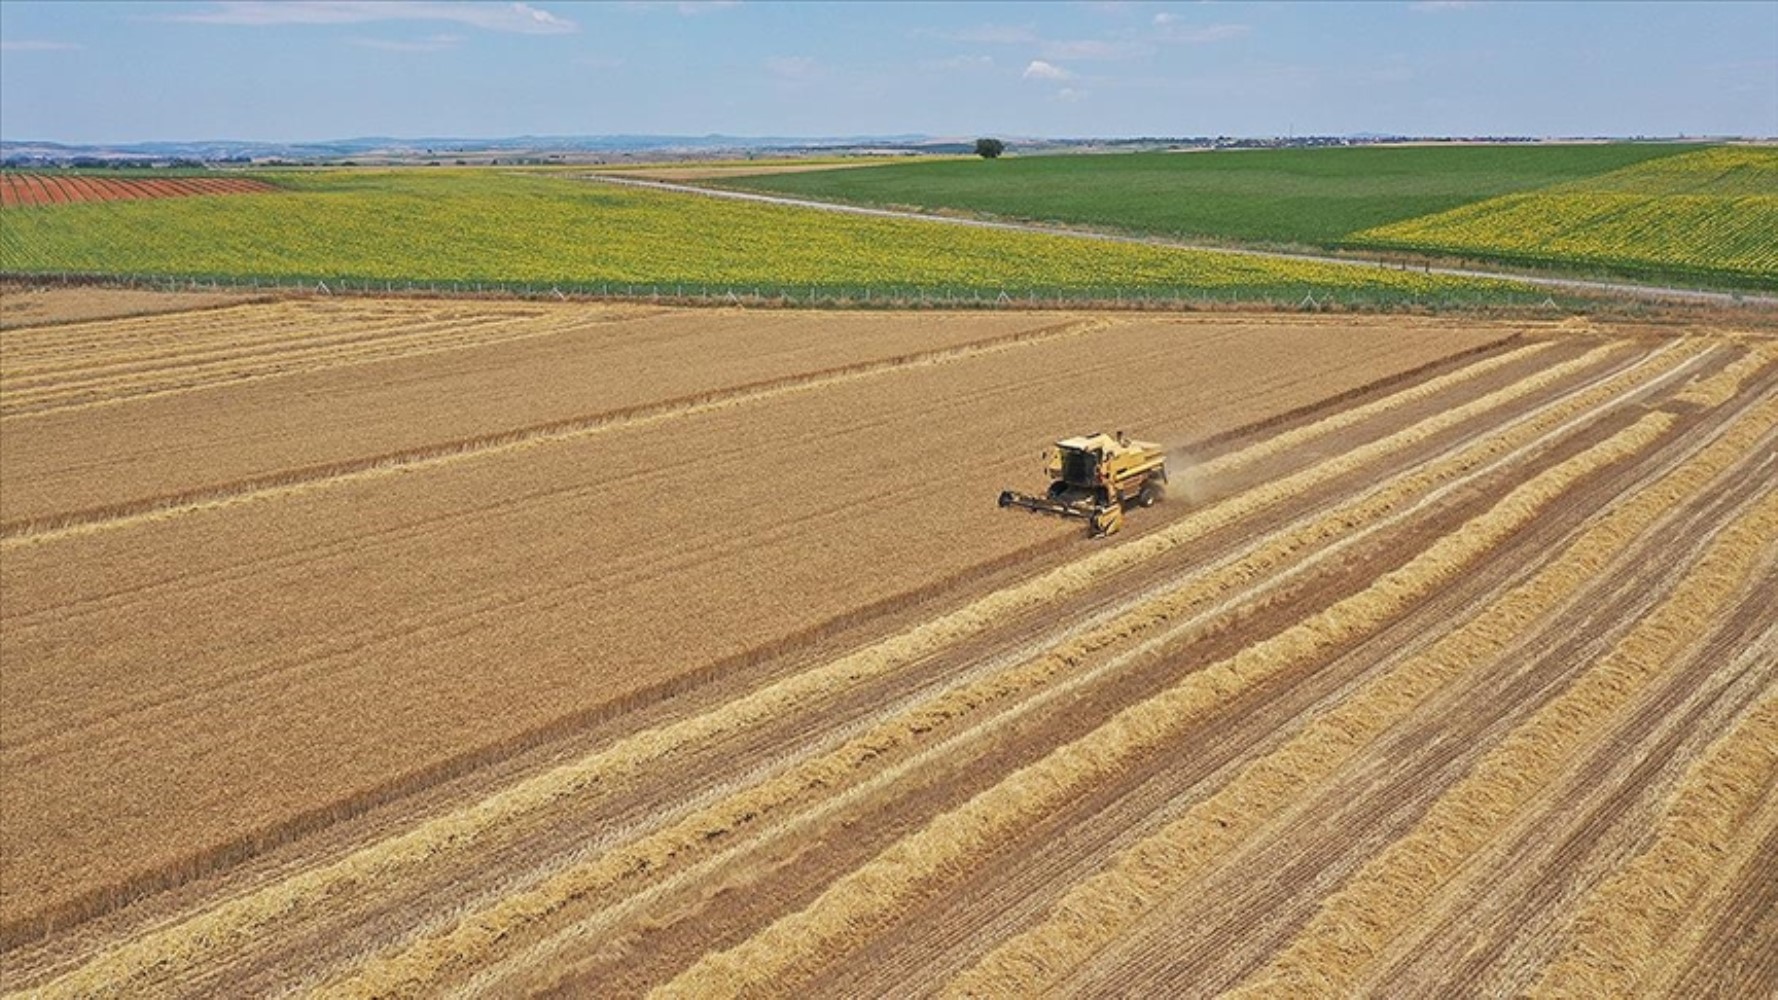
1332, 954
1718, 389
1625, 926
1100, 909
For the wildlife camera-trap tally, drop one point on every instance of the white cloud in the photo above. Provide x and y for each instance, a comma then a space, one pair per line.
1040, 70
38, 46
1164, 18
1069, 95
434, 43
514, 18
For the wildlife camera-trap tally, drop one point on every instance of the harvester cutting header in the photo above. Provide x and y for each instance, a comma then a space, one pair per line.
1094, 477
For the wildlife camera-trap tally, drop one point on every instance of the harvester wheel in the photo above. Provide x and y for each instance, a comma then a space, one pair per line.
1153, 492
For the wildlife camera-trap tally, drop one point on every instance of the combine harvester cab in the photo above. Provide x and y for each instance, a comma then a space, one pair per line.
1095, 477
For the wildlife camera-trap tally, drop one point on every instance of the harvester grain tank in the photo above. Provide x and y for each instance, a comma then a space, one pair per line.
1094, 477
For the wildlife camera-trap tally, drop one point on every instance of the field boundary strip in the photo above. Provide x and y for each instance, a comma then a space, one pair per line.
790, 948
1355, 922
424, 962
1099, 909
43, 529
201, 933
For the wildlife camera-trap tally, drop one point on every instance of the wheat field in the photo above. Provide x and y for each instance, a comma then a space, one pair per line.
410, 647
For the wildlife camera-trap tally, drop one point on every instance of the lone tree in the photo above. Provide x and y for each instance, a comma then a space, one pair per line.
988, 149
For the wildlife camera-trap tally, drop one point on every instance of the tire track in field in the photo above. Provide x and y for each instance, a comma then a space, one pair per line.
974, 689
313, 477
796, 944
132, 960
1354, 924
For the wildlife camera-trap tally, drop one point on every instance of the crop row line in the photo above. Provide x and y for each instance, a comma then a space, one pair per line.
127, 364
34, 393
1237, 582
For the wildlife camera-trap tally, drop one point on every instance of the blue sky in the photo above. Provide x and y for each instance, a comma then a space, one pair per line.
294, 70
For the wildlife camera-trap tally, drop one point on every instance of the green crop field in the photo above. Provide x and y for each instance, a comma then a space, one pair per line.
540, 230
1313, 197
1684, 213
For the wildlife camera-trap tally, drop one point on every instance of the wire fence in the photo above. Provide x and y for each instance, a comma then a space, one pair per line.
827, 296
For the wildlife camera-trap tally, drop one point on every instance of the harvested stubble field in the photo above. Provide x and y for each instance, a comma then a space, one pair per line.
406, 647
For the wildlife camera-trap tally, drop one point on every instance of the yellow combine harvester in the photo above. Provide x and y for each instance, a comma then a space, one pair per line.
1094, 477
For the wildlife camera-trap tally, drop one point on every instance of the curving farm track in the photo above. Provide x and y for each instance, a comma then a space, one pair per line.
507, 664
